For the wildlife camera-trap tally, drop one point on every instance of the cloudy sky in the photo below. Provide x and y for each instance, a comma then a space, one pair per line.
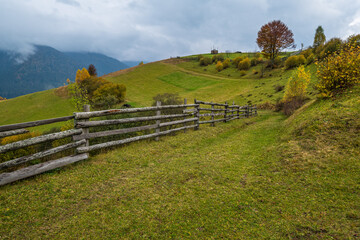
151, 30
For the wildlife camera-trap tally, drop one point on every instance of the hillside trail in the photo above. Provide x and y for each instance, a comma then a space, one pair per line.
174, 64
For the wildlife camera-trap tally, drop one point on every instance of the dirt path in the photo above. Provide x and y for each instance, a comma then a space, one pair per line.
174, 64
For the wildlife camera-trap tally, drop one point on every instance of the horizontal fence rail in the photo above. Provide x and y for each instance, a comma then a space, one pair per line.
93, 131
34, 123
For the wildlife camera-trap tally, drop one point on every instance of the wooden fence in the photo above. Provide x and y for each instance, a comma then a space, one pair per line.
90, 126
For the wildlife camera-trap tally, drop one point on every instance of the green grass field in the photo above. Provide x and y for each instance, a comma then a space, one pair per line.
267, 177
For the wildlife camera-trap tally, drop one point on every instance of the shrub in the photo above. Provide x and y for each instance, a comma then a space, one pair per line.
277, 61
310, 59
307, 52
301, 60
205, 61
219, 66
257, 55
91, 84
244, 64
242, 73
198, 57
332, 46
226, 63
260, 60
353, 40
254, 62
20, 152
291, 62
297, 85
218, 57
109, 94
339, 70
294, 61
237, 60
168, 99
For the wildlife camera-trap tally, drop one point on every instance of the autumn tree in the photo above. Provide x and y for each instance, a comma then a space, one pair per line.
81, 75
92, 70
274, 37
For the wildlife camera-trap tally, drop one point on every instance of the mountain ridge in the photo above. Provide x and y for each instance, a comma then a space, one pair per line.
47, 68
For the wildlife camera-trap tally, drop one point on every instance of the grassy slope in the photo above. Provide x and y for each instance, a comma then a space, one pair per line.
35, 106
257, 178
144, 82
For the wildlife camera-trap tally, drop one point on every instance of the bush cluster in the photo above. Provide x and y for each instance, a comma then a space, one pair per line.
237, 60
219, 66
218, 57
226, 63
339, 70
332, 46
96, 91
244, 64
204, 61
294, 61
20, 152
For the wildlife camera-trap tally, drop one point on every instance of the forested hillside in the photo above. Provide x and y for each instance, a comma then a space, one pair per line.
47, 68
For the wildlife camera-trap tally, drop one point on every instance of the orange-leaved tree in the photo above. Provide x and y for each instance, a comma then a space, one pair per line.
274, 37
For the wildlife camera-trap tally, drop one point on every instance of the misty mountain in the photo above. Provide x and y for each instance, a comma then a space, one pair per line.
47, 68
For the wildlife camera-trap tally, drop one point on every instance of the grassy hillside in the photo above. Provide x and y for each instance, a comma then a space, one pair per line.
261, 178
35, 106
173, 76
268, 177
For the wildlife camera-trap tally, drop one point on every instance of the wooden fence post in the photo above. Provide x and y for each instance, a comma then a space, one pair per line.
185, 102
238, 112
232, 110
212, 114
226, 109
197, 116
255, 110
85, 130
247, 111
158, 113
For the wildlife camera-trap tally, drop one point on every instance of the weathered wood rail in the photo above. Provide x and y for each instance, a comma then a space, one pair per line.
86, 131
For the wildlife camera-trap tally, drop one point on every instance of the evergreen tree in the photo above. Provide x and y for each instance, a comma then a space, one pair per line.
319, 38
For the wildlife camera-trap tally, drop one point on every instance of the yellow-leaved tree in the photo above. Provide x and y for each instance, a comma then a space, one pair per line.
295, 91
297, 85
81, 75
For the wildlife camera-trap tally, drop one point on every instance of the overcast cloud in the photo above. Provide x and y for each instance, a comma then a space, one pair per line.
156, 29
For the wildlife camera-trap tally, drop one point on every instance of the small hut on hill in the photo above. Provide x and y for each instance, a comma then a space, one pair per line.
214, 51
